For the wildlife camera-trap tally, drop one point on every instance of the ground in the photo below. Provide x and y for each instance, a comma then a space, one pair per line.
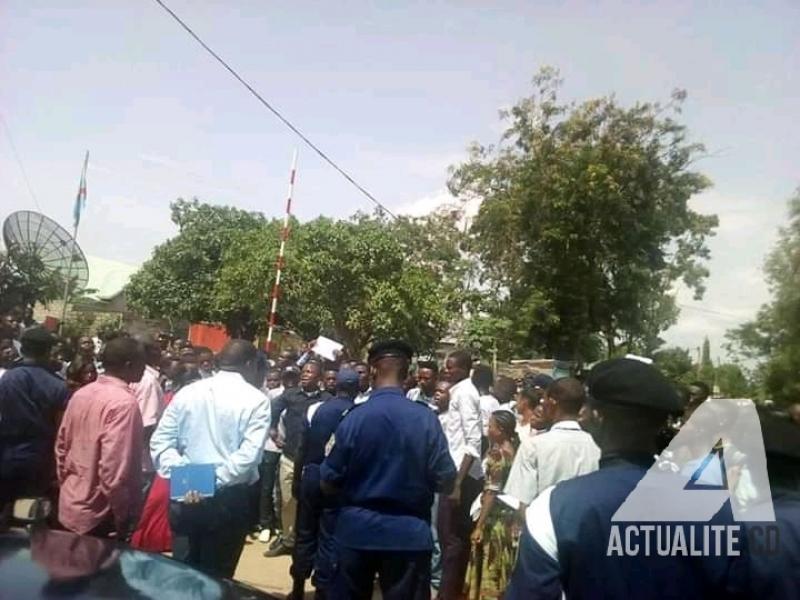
268, 574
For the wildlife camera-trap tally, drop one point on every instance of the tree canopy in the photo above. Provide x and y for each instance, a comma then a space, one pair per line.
354, 280
584, 225
772, 339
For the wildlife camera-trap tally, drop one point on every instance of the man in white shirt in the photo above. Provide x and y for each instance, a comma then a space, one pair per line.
222, 420
427, 376
564, 452
483, 378
269, 517
462, 428
364, 387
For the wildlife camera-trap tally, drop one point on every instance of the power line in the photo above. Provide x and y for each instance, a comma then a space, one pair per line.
712, 312
19, 162
275, 112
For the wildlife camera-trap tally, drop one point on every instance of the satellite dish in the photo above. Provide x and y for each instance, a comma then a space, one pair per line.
31, 233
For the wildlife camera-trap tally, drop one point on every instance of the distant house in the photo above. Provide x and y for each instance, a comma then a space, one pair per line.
105, 297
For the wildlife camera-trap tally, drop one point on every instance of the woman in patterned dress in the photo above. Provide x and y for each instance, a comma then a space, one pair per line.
493, 539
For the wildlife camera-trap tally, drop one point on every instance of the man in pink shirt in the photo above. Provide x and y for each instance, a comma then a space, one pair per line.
99, 448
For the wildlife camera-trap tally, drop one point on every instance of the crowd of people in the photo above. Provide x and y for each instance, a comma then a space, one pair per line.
427, 477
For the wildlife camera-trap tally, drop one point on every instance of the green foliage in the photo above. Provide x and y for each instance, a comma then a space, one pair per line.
179, 279
484, 334
24, 281
353, 280
584, 224
773, 338
732, 381
676, 364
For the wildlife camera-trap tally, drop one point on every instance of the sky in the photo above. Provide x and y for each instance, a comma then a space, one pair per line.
394, 92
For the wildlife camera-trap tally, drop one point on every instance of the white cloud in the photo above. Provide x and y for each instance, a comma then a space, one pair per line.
436, 200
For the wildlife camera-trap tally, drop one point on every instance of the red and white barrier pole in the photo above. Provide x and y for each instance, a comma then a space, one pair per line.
282, 249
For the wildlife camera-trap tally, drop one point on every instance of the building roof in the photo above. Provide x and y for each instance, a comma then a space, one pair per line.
107, 277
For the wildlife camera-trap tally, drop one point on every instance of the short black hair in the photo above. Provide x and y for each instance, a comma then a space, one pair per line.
482, 376
37, 342
122, 350
504, 389
568, 393
198, 350
428, 364
236, 353
462, 359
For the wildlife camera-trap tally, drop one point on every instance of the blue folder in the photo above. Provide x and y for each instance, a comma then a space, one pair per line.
192, 478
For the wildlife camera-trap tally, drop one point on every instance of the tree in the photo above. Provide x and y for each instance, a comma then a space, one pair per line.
584, 225
178, 281
732, 381
24, 281
353, 280
705, 371
773, 337
676, 364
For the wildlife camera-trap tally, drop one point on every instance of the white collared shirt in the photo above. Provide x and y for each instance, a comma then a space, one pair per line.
564, 452
221, 420
462, 426
488, 404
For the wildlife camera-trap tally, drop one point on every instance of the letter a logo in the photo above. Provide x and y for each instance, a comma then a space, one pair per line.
722, 437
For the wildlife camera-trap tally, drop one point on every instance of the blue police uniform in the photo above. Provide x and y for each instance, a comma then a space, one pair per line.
775, 573
772, 567
30, 399
564, 546
316, 514
390, 456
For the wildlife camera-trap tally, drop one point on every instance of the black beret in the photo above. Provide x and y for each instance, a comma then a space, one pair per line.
634, 383
781, 436
396, 348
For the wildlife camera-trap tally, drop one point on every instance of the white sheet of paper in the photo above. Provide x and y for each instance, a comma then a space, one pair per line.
326, 347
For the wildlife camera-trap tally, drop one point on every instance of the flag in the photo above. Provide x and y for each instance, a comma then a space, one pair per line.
80, 201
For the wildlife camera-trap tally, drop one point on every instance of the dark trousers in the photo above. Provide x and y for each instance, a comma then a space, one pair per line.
209, 536
306, 529
401, 575
455, 527
314, 546
269, 511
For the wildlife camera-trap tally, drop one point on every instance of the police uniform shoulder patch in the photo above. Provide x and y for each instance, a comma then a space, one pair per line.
329, 445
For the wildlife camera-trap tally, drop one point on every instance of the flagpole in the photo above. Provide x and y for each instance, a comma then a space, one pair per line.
79, 201
281, 250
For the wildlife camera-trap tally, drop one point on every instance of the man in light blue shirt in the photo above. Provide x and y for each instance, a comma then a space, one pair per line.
222, 420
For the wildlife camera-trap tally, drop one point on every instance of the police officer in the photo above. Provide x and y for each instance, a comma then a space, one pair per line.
771, 568
564, 549
316, 515
389, 457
